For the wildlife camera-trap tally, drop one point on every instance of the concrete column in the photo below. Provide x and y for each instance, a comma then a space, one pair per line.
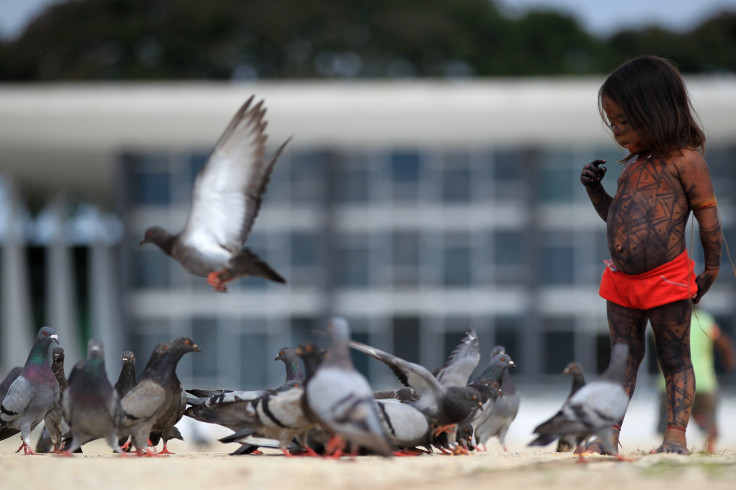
104, 308
16, 329
61, 308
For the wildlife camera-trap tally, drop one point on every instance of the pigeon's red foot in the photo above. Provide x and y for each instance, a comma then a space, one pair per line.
335, 446
165, 450
213, 279
442, 428
26, 449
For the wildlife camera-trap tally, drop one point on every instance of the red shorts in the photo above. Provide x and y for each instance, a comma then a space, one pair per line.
673, 281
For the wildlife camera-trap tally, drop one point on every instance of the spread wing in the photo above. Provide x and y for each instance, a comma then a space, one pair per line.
416, 376
462, 362
228, 190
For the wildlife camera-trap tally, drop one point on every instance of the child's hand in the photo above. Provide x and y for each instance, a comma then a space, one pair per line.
593, 173
704, 281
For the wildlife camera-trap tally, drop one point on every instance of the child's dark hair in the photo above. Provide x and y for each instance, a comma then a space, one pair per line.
651, 94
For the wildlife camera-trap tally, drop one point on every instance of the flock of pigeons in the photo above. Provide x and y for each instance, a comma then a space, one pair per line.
327, 408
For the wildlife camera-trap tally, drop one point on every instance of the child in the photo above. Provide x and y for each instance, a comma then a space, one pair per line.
650, 277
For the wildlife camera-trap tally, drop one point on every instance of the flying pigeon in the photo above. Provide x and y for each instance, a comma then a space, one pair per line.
91, 405
340, 399
226, 199
574, 369
593, 409
497, 416
157, 402
32, 395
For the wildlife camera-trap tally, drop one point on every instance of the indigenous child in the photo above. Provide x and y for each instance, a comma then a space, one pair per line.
650, 276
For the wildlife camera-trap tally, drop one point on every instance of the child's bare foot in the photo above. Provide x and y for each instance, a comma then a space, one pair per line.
674, 442
671, 447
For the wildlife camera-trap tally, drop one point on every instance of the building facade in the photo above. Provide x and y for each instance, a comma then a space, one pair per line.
417, 211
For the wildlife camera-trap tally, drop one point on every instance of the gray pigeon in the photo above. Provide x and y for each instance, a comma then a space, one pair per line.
593, 409
497, 416
340, 399
574, 369
91, 405
406, 426
158, 401
55, 430
126, 381
33, 394
294, 373
5, 385
442, 405
278, 415
226, 198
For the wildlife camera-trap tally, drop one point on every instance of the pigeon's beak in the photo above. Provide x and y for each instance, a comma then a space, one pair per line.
480, 406
512, 364
500, 393
54, 337
566, 371
196, 349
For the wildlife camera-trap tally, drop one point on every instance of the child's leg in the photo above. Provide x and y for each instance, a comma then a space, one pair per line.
626, 325
671, 326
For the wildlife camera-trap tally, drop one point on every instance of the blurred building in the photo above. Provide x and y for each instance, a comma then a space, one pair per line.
415, 209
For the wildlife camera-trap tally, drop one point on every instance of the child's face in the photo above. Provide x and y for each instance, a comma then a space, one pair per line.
623, 133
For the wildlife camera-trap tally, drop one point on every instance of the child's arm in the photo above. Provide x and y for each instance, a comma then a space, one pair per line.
698, 187
591, 177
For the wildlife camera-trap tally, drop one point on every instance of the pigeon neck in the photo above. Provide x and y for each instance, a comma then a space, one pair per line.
39, 353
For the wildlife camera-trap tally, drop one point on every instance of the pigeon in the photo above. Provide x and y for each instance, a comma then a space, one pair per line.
294, 373
574, 369
406, 426
91, 405
339, 398
226, 199
593, 409
442, 405
278, 415
32, 395
126, 381
158, 401
496, 417
56, 429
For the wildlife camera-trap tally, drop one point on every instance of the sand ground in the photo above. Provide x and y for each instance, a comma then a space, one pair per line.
208, 465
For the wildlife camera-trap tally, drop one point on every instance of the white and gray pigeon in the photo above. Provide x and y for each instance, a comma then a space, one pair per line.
340, 399
226, 199
442, 405
158, 401
33, 394
575, 370
593, 409
275, 415
497, 416
91, 405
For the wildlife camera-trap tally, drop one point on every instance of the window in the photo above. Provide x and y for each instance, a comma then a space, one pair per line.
456, 260
353, 178
456, 177
351, 267
149, 180
150, 268
308, 170
406, 337
559, 349
559, 177
406, 173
